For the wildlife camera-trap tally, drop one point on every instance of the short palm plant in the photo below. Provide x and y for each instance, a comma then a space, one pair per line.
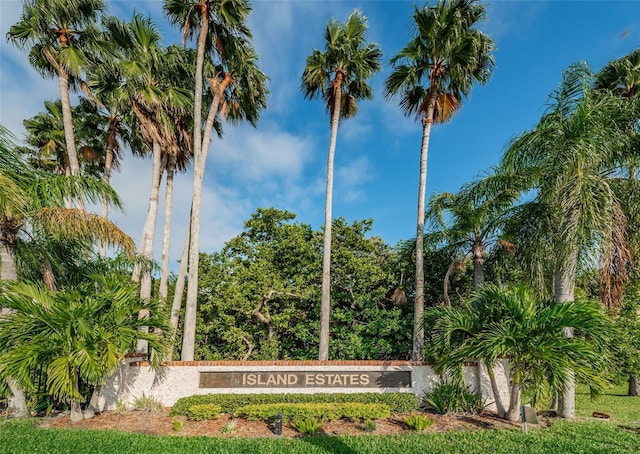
511, 322
79, 335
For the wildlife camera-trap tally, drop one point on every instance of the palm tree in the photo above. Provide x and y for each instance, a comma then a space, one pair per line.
238, 91
177, 157
432, 74
572, 163
513, 323
45, 132
622, 75
148, 76
31, 201
59, 34
79, 336
339, 76
105, 83
468, 224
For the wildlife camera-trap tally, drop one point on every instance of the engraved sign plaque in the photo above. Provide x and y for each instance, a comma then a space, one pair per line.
314, 379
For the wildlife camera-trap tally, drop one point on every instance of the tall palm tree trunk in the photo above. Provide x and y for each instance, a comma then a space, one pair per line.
478, 266
180, 281
166, 239
106, 176
189, 335
418, 310
564, 285
200, 161
8, 271
67, 119
18, 403
325, 303
146, 247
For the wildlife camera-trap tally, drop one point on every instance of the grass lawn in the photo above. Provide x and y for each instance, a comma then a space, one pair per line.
623, 409
586, 435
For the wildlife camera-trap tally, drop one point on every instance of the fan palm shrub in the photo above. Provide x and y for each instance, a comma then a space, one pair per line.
79, 335
513, 323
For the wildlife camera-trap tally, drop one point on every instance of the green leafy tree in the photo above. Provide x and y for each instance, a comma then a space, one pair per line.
367, 322
257, 294
432, 74
79, 336
59, 35
339, 76
512, 322
626, 345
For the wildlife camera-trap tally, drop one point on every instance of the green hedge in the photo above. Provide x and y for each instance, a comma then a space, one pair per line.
397, 402
204, 411
322, 412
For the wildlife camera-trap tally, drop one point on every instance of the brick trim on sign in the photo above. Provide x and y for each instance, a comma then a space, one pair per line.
289, 363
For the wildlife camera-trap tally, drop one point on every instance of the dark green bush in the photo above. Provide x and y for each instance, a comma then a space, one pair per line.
453, 397
204, 411
397, 402
323, 412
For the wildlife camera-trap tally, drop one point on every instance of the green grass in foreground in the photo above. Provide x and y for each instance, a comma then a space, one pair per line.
586, 435
562, 437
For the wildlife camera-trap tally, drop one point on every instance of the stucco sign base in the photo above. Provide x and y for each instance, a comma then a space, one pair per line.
174, 380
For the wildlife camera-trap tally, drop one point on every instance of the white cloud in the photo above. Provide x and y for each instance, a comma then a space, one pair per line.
351, 178
223, 209
259, 155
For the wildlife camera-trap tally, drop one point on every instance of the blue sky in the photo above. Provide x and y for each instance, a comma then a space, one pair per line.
282, 162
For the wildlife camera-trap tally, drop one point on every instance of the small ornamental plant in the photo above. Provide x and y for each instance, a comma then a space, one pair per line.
369, 426
229, 427
147, 403
177, 424
309, 426
417, 422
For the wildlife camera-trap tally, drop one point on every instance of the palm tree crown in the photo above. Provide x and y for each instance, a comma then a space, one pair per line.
60, 35
346, 65
444, 59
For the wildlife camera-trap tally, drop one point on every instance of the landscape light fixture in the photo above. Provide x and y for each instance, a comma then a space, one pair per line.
278, 426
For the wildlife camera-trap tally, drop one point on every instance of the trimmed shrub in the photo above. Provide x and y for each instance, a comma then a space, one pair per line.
322, 412
229, 403
203, 412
